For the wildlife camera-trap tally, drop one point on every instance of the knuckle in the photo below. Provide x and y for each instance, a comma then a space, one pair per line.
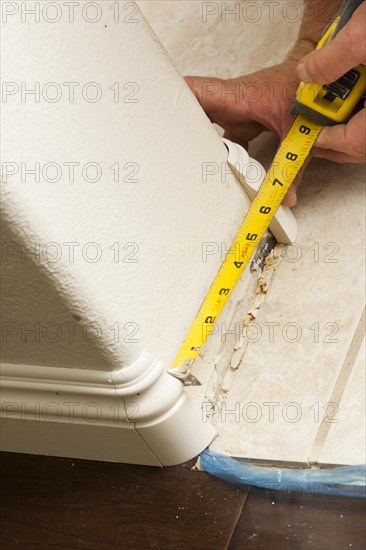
356, 145
359, 148
318, 68
354, 38
357, 46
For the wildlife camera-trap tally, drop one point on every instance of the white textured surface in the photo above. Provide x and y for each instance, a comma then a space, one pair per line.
168, 213
346, 439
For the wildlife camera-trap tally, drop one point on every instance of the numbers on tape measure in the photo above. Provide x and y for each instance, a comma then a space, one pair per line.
265, 209
277, 182
224, 291
285, 164
304, 130
210, 320
292, 156
251, 237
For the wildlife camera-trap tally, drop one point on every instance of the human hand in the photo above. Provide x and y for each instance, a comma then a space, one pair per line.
343, 142
249, 105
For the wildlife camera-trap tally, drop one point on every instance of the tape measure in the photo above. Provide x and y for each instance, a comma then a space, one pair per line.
315, 106
289, 159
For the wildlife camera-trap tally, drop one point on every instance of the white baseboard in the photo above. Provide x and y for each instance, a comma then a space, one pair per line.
138, 415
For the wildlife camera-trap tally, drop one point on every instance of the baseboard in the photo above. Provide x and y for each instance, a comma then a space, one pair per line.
138, 415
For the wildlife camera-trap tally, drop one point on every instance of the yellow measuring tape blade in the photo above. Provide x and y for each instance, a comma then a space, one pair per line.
287, 163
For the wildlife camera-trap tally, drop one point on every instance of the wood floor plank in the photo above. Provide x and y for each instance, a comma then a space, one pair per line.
54, 504
283, 521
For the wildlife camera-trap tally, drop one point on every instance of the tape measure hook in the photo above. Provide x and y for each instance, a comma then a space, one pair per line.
184, 375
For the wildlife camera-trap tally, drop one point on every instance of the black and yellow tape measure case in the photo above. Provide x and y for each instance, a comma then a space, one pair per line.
333, 103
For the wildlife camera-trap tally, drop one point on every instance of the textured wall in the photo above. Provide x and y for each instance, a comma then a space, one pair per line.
160, 211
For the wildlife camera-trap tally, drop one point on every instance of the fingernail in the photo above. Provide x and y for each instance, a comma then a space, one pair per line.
322, 140
302, 72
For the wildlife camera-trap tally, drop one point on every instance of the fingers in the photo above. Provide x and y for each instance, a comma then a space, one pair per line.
207, 91
344, 52
343, 143
224, 104
204, 88
199, 87
290, 199
346, 139
333, 137
247, 132
217, 95
337, 157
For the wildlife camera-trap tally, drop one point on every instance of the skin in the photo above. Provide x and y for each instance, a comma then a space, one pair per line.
251, 104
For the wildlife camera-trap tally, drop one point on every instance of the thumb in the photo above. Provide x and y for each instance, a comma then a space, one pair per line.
345, 52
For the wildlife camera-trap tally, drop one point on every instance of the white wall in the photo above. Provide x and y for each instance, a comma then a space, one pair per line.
167, 213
